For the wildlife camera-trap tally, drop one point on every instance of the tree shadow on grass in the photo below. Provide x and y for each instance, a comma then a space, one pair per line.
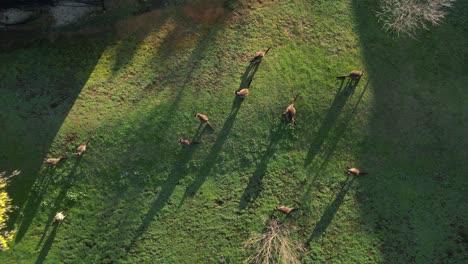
45, 91
41, 89
331, 210
415, 144
342, 96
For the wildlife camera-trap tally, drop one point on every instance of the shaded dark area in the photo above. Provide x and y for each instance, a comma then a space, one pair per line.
415, 150
29, 128
331, 210
24, 3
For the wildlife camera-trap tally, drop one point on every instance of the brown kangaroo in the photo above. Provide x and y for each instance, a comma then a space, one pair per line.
81, 149
290, 111
259, 56
203, 118
354, 75
53, 161
285, 209
355, 171
242, 93
186, 142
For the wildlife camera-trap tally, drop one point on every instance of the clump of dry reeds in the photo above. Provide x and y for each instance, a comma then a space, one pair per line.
274, 245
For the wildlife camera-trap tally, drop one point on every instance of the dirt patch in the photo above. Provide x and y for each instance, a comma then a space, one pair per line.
205, 11
71, 137
142, 22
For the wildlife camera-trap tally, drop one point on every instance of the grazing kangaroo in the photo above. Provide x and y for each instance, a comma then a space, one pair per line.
54, 161
290, 111
59, 217
285, 209
186, 142
82, 148
203, 118
354, 75
242, 93
259, 56
355, 171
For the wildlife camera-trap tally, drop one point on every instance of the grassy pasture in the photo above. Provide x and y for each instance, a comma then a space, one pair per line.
133, 87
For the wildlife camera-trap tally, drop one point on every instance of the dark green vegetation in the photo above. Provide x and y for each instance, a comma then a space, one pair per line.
136, 196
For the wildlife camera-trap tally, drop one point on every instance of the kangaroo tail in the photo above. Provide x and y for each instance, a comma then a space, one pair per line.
363, 173
267, 50
342, 76
195, 142
295, 98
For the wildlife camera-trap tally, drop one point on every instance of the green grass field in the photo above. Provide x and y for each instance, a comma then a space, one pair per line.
137, 196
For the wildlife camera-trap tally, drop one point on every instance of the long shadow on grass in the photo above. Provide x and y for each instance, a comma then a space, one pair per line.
210, 160
249, 73
59, 202
179, 169
415, 145
46, 87
254, 187
41, 88
330, 211
342, 96
47, 245
319, 165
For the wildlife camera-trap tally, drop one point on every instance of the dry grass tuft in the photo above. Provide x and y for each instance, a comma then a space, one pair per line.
408, 16
274, 245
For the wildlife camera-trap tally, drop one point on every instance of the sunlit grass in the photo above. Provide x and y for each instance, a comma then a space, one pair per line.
137, 196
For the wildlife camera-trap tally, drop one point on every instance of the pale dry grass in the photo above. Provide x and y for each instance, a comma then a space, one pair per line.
274, 245
408, 16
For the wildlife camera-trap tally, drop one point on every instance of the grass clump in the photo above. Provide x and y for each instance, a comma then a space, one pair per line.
274, 245
408, 16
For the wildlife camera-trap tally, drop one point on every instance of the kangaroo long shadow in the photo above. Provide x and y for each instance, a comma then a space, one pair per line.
254, 187
248, 75
215, 150
178, 171
340, 129
32, 206
331, 210
59, 201
48, 244
330, 119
